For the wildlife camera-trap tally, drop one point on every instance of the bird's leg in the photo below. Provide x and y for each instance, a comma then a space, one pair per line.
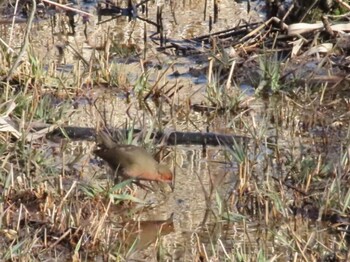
116, 176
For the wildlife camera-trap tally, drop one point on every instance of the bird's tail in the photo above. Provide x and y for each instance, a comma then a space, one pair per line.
104, 140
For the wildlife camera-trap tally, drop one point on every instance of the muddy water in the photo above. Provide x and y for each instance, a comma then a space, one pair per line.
203, 182
199, 178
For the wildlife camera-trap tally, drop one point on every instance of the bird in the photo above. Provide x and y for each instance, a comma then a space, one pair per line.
131, 161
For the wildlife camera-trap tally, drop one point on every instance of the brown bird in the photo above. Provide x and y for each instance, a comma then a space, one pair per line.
131, 161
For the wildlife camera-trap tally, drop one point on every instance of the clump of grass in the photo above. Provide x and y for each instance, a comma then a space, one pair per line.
222, 95
118, 77
142, 85
116, 193
224, 99
124, 50
270, 74
46, 109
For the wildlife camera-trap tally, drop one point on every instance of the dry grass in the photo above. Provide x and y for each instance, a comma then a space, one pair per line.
284, 196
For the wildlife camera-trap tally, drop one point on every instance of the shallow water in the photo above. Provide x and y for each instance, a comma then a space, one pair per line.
207, 185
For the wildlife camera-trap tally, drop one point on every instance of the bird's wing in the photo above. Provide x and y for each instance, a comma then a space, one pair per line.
139, 158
